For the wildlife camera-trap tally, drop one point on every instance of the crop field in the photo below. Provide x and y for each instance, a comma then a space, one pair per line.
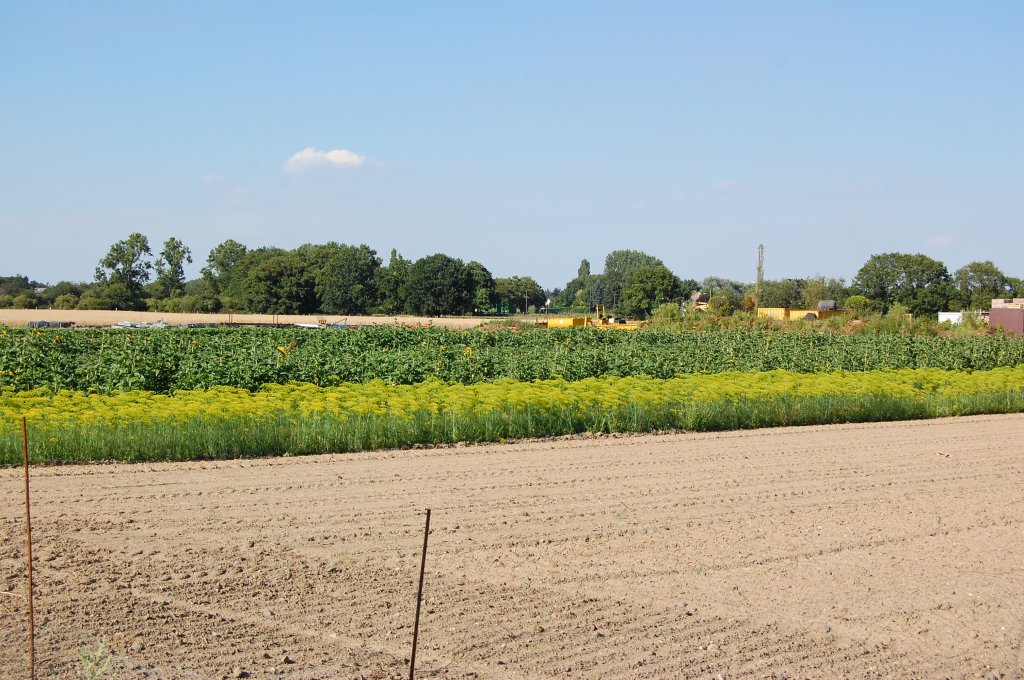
166, 360
889, 550
303, 418
840, 548
190, 394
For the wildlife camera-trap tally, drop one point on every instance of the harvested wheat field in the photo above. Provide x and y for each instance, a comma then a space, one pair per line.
79, 317
874, 550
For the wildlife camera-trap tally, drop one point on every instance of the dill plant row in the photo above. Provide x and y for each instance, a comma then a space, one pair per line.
301, 418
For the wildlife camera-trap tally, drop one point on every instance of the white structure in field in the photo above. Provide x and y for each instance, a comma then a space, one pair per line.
952, 317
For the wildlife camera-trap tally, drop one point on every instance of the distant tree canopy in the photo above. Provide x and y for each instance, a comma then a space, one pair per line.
16, 285
439, 284
519, 293
347, 283
802, 293
124, 271
221, 263
485, 295
170, 269
633, 283
916, 282
978, 283
582, 292
337, 278
274, 281
649, 287
618, 267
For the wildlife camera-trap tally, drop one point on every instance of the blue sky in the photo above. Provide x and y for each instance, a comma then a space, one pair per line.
524, 135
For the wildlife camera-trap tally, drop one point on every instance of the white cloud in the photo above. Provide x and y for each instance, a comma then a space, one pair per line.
309, 157
941, 241
212, 178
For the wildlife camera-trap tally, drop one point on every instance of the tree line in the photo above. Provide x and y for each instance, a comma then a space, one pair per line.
336, 278
330, 278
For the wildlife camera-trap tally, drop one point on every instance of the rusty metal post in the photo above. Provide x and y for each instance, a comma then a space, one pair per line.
28, 540
419, 600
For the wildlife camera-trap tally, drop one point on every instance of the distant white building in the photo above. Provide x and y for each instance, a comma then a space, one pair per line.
952, 317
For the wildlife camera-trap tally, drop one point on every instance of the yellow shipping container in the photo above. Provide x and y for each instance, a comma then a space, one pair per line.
780, 313
567, 322
789, 314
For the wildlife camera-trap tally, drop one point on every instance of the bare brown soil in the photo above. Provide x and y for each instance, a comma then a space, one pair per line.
879, 550
21, 317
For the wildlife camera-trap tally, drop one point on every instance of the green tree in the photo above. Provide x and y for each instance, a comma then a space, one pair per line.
668, 316
49, 296
200, 296
732, 291
66, 301
273, 281
390, 283
582, 292
978, 283
170, 269
221, 263
347, 284
484, 297
519, 293
91, 299
619, 265
782, 293
818, 288
917, 282
721, 304
857, 305
438, 284
124, 271
16, 285
649, 287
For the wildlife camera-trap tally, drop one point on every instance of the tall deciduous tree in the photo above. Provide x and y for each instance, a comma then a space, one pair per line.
977, 283
221, 263
819, 287
170, 269
917, 282
273, 281
618, 266
347, 284
581, 293
484, 296
519, 293
649, 287
439, 284
390, 282
782, 293
124, 271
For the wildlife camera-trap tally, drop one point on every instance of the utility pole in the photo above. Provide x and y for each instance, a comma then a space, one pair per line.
758, 287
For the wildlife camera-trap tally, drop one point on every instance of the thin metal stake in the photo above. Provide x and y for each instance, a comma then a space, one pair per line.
419, 600
28, 539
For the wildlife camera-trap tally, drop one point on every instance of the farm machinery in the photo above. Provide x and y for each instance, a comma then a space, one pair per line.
600, 320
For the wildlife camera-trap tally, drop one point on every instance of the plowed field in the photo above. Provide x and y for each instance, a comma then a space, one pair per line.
876, 550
